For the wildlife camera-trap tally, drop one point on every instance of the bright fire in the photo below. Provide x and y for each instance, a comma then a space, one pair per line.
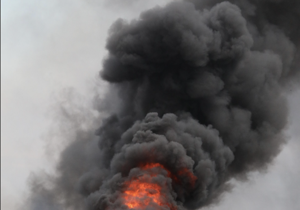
140, 192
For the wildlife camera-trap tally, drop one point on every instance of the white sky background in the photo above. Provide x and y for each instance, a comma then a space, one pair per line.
50, 46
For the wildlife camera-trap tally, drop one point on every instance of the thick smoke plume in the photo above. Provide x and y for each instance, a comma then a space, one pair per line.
197, 90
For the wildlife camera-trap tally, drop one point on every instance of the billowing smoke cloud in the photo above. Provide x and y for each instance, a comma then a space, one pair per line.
196, 97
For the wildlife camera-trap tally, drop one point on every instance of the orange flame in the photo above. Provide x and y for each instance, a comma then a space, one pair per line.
140, 193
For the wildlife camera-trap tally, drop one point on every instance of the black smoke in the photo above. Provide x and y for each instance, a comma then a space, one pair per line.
197, 85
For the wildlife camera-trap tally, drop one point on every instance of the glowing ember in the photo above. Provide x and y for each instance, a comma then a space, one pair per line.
140, 192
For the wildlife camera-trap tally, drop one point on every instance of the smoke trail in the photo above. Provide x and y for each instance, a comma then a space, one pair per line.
197, 90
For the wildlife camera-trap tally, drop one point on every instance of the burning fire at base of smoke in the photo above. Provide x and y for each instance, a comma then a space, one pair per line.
143, 191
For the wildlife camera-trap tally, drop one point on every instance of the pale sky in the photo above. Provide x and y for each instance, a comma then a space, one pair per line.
51, 47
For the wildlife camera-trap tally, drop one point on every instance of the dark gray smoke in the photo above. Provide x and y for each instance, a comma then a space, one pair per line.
196, 86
